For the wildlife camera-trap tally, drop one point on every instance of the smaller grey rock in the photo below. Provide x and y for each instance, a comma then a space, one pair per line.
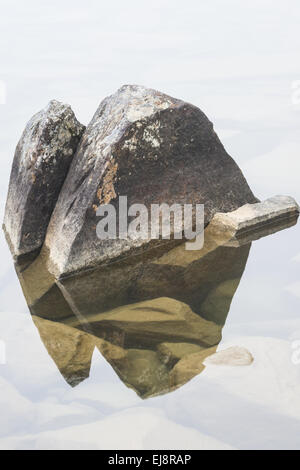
233, 356
41, 163
252, 221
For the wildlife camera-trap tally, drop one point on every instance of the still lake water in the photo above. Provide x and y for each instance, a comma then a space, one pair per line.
242, 78
254, 406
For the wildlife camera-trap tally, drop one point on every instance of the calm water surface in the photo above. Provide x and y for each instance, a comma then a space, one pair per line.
254, 406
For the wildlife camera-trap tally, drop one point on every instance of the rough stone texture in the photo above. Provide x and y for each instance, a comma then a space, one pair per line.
151, 148
42, 160
233, 356
256, 220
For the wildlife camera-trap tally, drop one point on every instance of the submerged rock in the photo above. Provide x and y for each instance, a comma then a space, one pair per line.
151, 148
192, 364
121, 307
144, 372
144, 316
162, 314
42, 160
157, 315
187, 276
72, 349
152, 322
233, 356
150, 368
170, 353
189, 366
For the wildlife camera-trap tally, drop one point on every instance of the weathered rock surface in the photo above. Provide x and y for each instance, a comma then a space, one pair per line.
254, 220
42, 160
151, 148
233, 356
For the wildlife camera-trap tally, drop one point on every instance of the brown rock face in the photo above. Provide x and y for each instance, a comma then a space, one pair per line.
42, 160
155, 320
151, 148
152, 322
72, 349
156, 316
191, 277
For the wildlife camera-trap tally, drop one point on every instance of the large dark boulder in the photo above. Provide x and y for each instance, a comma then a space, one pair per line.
151, 148
42, 160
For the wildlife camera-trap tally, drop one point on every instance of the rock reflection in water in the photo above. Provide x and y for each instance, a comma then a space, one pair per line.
155, 319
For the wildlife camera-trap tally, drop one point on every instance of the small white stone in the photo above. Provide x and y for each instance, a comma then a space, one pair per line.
233, 356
